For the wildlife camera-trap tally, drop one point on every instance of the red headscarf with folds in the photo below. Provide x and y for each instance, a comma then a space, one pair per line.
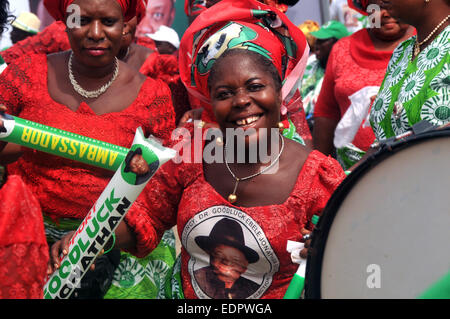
141, 9
58, 8
195, 7
359, 5
244, 24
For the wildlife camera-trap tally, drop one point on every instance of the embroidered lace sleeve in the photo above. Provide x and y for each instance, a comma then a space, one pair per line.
14, 81
165, 67
156, 208
326, 175
162, 115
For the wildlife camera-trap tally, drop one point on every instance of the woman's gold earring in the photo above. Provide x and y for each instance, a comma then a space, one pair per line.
281, 126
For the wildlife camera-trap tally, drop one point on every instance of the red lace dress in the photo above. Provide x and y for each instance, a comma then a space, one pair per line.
165, 68
23, 247
63, 187
180, 195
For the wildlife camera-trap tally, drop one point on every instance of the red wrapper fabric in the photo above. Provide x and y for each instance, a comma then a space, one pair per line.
23, 247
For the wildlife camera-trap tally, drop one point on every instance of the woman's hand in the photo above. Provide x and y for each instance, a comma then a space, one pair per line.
190, 116
61, 248
2, 125
2, 112
306, 235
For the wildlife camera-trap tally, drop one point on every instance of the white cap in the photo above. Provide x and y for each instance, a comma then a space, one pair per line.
166, 34
28, 22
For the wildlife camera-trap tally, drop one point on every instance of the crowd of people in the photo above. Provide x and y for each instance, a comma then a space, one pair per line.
321, 94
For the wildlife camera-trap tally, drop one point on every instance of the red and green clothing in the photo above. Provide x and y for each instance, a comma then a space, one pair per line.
414, 90
354, 64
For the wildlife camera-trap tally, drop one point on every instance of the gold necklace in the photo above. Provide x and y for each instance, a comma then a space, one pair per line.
232, 198
418, 44
95, 93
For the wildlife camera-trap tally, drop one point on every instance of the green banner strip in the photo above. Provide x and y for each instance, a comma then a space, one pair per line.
62, 143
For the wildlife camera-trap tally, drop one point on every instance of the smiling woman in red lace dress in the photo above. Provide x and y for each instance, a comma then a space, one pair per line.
235, 246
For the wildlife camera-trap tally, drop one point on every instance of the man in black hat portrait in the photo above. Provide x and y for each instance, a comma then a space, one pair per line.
229, 259
135, 163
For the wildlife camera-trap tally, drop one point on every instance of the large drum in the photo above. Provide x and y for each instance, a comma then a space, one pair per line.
385, 232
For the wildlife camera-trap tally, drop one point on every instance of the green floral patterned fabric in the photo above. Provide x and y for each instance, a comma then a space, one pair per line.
414, 90
311, 85
156, 276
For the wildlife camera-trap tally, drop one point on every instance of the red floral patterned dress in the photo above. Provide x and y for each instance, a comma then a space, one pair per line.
180, 195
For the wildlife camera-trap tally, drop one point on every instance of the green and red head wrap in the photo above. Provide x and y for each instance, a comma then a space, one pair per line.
247, 25
130, 8
359, 5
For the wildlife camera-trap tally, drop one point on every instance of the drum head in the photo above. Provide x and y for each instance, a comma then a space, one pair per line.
385, 232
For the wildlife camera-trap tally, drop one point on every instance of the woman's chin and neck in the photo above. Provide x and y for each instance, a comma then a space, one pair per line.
384, 39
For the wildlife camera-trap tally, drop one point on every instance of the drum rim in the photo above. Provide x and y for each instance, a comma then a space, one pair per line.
322, 229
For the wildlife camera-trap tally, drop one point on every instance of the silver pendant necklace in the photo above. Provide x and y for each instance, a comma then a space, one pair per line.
95, 93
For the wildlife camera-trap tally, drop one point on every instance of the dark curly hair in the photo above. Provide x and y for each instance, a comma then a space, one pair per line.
5, 17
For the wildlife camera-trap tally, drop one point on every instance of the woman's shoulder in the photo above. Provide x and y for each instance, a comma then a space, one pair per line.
339, 52
161, 66
319, 159
156, 89
344, 43
30, 61
26, 69
323, 169
317, 180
